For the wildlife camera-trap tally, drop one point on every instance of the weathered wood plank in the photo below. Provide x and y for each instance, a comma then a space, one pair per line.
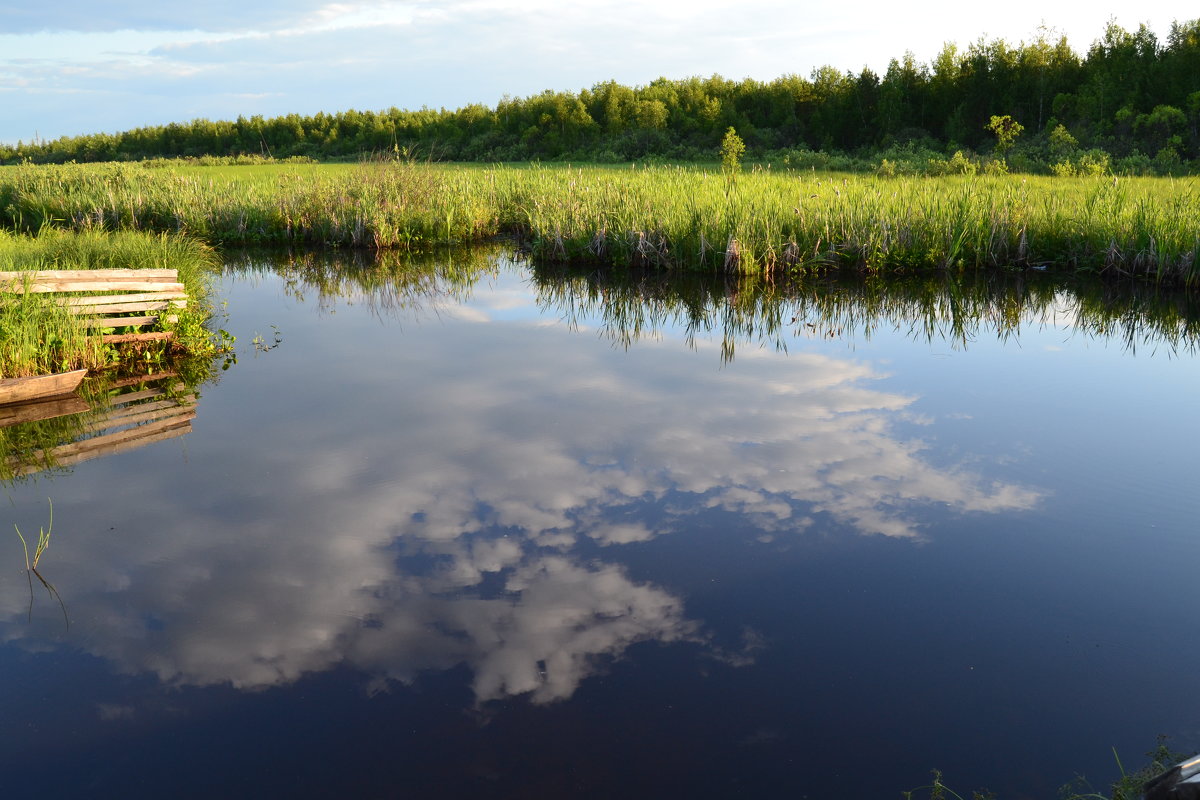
125, 308
120, 322
124, 338
113, 285
104, 299
81, 274
126, 435
144, 394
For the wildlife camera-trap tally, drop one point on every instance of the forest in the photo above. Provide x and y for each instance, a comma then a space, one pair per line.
1130, 104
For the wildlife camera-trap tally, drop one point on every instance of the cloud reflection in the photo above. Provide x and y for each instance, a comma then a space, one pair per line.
443, 514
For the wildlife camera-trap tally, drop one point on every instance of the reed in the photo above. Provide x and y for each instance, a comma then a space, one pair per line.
670, 217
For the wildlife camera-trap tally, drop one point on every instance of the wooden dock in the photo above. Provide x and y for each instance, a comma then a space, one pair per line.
147, 293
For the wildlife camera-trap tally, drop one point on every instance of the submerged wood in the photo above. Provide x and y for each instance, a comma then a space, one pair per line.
38, 387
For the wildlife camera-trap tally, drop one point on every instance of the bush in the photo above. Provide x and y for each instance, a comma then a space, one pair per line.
959, 164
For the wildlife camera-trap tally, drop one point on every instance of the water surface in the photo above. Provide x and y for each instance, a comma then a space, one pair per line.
472, 529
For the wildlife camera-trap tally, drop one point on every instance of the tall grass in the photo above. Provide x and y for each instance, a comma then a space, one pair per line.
660, 216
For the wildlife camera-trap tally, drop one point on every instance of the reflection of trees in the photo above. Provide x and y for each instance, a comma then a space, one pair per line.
633, 304
385, 281
957, 308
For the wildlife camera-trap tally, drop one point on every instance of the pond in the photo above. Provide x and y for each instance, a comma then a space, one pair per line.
474, 529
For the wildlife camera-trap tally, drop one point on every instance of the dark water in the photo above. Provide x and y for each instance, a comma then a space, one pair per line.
468, 531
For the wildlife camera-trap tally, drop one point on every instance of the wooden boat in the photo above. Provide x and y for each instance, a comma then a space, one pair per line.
22, 390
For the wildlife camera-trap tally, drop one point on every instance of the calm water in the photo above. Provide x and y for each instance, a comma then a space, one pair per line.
472, 532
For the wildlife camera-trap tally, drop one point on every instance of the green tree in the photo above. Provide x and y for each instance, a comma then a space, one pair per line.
1006, 129
732, 149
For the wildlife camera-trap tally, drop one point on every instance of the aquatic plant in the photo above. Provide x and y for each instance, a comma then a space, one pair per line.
43, 540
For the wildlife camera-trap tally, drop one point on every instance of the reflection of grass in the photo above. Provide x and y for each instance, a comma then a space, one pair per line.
31, 444
386, 281
633, 304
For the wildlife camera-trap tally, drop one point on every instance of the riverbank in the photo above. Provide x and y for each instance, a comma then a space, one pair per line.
671, 217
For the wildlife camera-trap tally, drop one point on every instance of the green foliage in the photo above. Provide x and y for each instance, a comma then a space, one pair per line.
1062, 144
1129, 785
732, 150
43, 541
1006, 129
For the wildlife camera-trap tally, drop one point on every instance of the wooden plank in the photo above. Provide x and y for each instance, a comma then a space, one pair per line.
38, 411
113, 448
125, 308
120, 322
113, 285
79, 274
125, 298
122, 338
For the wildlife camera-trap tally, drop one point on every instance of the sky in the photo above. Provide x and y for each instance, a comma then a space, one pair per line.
75, 67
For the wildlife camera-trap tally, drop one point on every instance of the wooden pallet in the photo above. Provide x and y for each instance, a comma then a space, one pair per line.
90, 294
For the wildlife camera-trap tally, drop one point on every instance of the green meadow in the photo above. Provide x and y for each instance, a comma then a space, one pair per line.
755, 219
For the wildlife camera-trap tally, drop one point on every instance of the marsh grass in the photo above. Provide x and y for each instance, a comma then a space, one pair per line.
31, 565
662, 217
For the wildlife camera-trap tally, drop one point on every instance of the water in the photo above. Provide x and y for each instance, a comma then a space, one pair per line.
483, 533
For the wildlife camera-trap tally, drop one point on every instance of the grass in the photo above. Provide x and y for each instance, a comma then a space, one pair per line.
43, 541
38, 335
672, 217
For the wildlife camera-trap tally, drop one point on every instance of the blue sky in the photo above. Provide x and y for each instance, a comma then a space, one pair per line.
79, 67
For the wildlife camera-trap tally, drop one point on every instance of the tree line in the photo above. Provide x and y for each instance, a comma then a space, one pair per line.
1130, 101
